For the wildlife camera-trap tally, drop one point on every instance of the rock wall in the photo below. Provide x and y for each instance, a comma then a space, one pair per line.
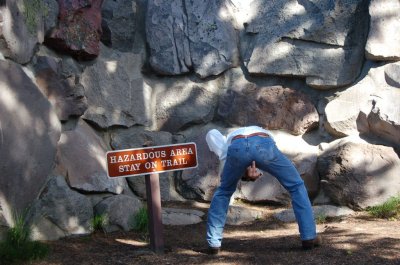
80, 78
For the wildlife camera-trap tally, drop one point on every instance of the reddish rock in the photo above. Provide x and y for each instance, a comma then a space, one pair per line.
79, 29
274, 108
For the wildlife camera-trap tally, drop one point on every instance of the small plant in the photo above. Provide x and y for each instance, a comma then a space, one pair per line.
387, 210
141, 221
99, 222
18, 246
320, 218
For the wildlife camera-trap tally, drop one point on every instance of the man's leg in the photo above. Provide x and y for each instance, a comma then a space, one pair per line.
233, 170
283, 169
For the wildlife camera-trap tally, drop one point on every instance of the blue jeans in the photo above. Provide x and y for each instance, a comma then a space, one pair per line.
268, 158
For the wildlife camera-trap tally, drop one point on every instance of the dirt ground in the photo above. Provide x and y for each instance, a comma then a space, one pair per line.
358, 239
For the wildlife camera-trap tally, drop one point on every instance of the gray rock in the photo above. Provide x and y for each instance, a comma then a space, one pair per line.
51, 10
369, 107
22, 29
138, 137
303, 155
115, 90
213, 39
238, 215
171, 216
185, 34
179, 103
67, 100
60, 212
392, 74
266, 188
166, 34
288, 216
300, 37
70, 68
357, 174
273, 108
119, 210
83, 154
119, 24
322, 199
384, 31
29, 131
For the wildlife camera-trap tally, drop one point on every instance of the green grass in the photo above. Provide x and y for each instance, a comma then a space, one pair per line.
17, 245
99, 222
387, 210
320, 219
141, 221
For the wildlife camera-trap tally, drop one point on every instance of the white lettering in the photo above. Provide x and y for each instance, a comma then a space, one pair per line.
131, 167
147, 165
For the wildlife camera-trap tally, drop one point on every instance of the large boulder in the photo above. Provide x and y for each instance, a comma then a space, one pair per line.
186, 34
115, 90
384, 31
369, 107
357, 174
270, 107
60, 212
29, 131
322, 41
82, 158
22, 28
79, 29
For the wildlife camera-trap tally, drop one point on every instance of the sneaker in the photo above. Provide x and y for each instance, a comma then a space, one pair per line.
312, 243
213, 250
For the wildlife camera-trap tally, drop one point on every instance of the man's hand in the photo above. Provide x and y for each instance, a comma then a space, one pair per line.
252, 173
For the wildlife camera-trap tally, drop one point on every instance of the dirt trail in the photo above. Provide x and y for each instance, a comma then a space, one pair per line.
352, 240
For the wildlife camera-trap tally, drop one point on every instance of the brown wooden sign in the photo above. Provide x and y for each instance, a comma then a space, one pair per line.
149, 160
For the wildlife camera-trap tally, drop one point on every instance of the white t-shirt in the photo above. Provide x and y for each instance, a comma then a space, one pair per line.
219, 143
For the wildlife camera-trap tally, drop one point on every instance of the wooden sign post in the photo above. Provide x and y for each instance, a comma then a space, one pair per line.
150, 161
